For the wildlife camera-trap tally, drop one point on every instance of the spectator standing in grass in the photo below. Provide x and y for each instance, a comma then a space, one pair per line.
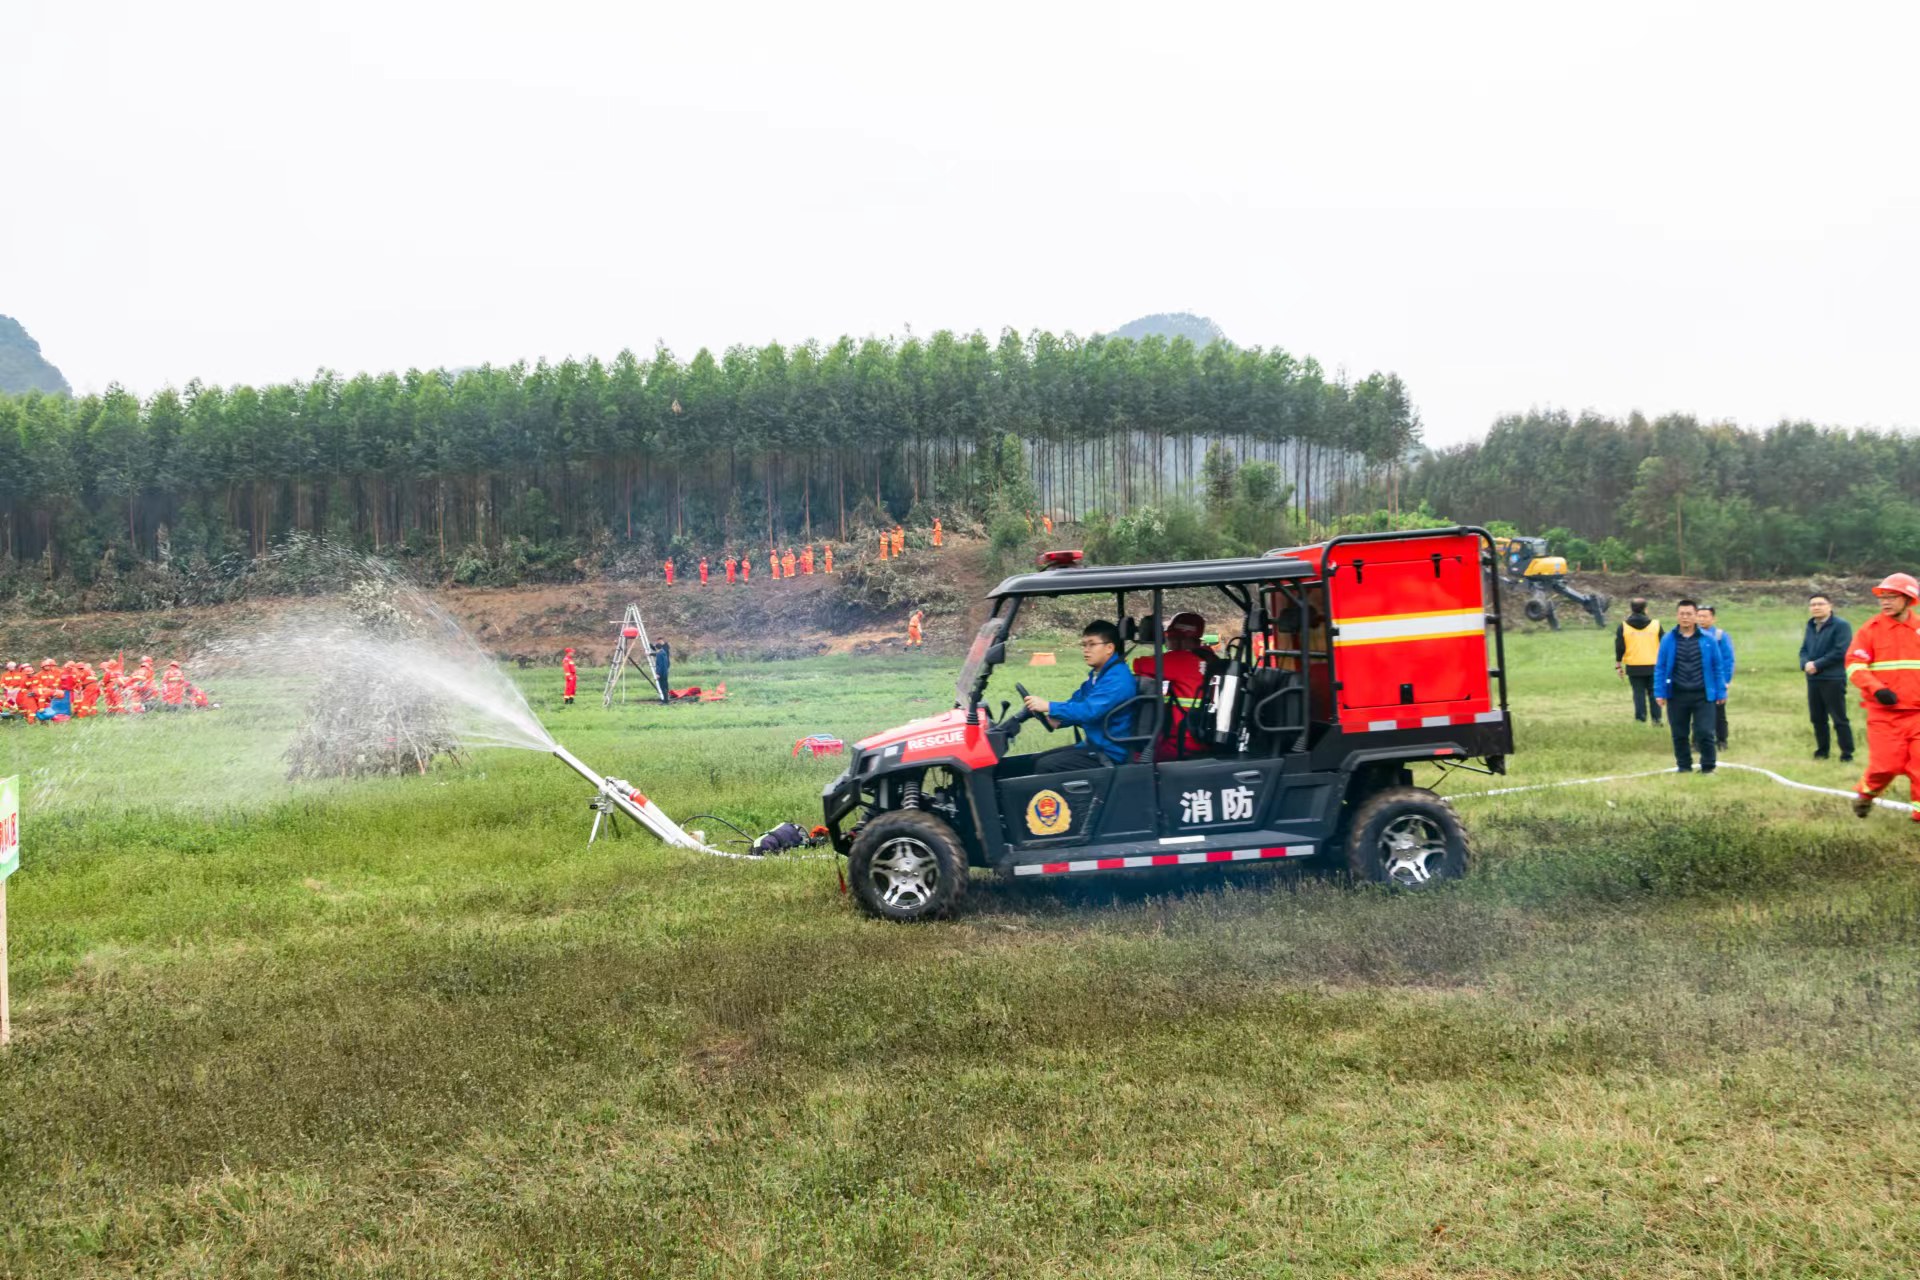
1710, 627
1636, 647
662, 665
1823, 656
1687, 682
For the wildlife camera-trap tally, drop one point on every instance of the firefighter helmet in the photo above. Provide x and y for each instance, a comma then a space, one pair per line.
1901, 583
1190, 625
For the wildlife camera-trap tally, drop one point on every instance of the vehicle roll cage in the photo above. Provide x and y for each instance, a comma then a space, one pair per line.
1243, 580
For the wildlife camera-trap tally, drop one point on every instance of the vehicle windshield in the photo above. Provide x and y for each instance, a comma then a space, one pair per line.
991, 632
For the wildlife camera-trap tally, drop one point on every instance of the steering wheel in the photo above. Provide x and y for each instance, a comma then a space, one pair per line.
1035, 715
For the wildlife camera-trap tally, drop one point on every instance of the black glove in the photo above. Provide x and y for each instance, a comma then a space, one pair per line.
1885, 697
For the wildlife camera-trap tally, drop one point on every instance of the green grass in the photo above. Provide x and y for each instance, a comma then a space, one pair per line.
417, 1028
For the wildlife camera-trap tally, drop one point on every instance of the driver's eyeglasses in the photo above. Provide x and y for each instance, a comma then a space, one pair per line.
1089, 642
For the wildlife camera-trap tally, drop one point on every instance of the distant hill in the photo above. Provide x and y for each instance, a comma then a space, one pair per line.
22, 367
1173, 324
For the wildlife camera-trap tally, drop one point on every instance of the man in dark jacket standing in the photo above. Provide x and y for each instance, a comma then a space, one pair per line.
1636, 647
1823, 656
662, 666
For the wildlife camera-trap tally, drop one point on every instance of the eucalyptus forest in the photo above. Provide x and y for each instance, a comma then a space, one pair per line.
555, 469
754, 446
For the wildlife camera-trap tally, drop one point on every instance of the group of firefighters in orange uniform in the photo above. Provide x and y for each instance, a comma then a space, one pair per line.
789, 564
73, 690
739, 569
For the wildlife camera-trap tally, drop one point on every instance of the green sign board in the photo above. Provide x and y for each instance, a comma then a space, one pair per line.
9, 826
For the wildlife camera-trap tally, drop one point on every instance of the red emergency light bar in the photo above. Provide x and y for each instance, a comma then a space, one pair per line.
1060, 559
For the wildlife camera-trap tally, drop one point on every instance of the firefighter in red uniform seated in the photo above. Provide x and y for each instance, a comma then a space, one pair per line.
86, 699
1185, 677
572, 675
26, 692
48, 685
173, 688
1884, 664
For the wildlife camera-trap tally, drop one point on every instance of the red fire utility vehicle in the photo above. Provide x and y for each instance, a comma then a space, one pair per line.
1342, 664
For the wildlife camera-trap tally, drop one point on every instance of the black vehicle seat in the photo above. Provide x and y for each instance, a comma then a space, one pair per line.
1147, 717
1270, 709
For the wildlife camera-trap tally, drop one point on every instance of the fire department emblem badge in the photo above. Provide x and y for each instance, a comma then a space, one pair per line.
1048, 814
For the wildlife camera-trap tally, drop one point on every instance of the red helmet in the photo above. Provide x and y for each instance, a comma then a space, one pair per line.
1190, 625
569, 653
1900, 584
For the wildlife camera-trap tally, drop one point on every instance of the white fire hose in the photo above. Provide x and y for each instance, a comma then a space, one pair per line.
1655, 773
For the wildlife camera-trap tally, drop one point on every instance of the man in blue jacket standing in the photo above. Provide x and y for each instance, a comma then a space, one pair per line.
1710, 627
1823, 656
1108, 685
1688, 683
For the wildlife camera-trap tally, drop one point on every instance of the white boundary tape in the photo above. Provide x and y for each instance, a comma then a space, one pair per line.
1655, 773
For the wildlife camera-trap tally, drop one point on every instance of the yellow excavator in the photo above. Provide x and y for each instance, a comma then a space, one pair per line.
1525, 566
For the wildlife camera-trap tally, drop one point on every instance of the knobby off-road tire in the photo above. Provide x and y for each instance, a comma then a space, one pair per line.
907, 865
1408, 838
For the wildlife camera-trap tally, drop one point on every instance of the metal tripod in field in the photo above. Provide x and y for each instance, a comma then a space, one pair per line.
633, 636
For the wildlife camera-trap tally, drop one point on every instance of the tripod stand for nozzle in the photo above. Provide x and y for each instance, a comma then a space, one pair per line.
633, 635
603, 810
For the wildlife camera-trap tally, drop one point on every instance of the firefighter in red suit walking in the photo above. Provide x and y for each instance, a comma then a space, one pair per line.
572, 675
1884, 664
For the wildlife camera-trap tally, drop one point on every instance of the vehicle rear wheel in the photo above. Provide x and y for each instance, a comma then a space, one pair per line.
1409, 838
907, 865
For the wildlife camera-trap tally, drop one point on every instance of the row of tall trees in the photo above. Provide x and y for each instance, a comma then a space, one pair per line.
1682, 496
753, 444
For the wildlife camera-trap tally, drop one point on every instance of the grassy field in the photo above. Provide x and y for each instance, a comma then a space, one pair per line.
417, 1028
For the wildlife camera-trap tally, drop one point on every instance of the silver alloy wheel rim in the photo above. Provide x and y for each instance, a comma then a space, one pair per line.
1413, 847
905, 873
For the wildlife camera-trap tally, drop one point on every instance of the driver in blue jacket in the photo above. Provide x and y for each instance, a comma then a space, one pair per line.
1108, 685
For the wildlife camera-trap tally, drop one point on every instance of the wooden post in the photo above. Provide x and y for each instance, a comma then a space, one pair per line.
9, 863
6, 1014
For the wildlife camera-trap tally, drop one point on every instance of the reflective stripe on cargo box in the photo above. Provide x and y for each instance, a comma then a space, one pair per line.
1409, 626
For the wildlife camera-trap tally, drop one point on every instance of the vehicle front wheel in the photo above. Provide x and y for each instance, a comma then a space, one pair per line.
907, 865
1409, 838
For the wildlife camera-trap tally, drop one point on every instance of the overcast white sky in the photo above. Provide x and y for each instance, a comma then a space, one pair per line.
1712, 208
